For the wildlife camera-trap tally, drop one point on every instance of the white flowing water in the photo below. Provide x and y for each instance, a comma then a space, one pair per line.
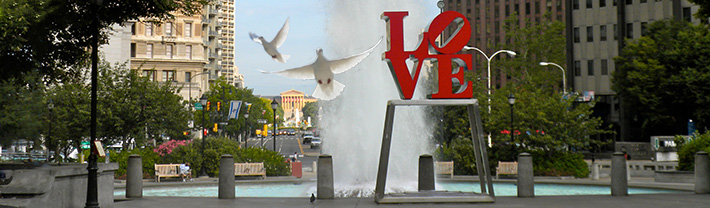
352, 124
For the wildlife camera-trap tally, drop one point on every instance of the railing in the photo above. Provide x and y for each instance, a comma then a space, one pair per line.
213, 33
213, 55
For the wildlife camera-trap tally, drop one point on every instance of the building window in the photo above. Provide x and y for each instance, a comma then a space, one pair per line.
507, 10
575, 4
602, 3
188, 52
616, 32
559, 5
148, 29
590, 34
630, 30
133, 50
577, 68
149, 51
576, 35
590, 67
605, 67
644, 28
527, 8
517, 9
169, 29
589, 4
188, 77
150, 74
133, 29
537, 7
686, 14
188, 30
643, 1
629, 2
602, 33
169, 51
614, 2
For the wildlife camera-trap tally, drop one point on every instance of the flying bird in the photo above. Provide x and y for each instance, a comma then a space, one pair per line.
322, 70
270, 47
313, 197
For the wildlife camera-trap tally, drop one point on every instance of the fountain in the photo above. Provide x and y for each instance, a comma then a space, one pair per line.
352, 124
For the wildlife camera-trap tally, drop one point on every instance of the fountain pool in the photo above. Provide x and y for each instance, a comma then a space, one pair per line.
306, 188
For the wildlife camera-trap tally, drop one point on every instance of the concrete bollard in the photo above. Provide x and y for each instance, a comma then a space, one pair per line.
702, 173
226, 177
426, 173
595, 171
325, 186
619, 180
315, 167
134, 177
526, 181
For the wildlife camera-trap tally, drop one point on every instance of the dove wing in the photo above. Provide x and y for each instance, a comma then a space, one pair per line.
281, 36
342, 65
304, 72
255, 38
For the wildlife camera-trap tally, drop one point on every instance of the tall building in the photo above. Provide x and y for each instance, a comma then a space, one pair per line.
596, 31
487, 18
171, 51
218, 25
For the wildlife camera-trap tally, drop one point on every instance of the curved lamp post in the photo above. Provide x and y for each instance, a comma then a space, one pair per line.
203, 101
511, 101
510, 53
564, 79
274, 105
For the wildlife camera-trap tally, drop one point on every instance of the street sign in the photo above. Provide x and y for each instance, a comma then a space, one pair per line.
85, 145
198, 106
261, 121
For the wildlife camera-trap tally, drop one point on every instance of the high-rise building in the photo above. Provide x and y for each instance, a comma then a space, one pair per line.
596, 31
218, 26
170, 51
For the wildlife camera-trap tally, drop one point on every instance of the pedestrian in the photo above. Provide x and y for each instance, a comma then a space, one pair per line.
185, 171
295, 156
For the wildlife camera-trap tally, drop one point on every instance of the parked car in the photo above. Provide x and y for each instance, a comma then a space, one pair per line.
315, 142
307, 138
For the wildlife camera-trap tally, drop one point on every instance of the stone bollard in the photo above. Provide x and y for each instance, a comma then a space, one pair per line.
226, 177
426, 173
595, 171
315, 167
134, 177
619, 180
702, 173
526, 182
325, 186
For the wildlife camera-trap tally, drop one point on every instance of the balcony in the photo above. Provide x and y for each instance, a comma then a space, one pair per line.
206, 42
213, 33
206, 21
213, 12
213, 55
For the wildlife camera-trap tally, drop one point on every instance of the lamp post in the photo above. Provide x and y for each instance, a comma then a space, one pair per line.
190, 83
564, 79
92, 196
50, 106
274, 105
511, 101
203, 101
246, 122
488, 59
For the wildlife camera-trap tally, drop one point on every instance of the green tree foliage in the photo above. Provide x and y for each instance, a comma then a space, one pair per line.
663, 77
704, 11
51, 36
687, 151
131, 109
311, 110
22, 115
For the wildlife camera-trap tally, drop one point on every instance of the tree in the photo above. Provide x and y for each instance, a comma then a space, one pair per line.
51, 36
23, 115
662, 78
704, 11
311, 110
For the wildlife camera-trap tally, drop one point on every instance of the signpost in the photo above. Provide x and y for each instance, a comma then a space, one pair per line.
198, 106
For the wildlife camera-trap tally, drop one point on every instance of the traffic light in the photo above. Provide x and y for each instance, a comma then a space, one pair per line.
185, 133
219, 105
208, 106
215, 128
204, 132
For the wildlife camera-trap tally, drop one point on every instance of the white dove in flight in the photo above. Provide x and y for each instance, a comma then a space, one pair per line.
322, 70
270, 47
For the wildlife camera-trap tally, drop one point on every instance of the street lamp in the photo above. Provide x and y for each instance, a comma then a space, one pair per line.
511, 101
189, 96
274, 105
50, 146
510, 53
564, 79
92, 185
246, 121
203, 101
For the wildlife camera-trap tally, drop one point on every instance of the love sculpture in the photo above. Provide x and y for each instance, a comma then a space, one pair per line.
396, 58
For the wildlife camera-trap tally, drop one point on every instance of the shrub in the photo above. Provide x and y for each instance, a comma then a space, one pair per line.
559, 164
462, 153
168, 147
686, 151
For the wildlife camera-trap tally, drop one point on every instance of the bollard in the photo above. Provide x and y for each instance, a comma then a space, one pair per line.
619, 180
315, 167
595, 171
134, 177
426, 173
325, 189
526, 182
226, 177
702, 173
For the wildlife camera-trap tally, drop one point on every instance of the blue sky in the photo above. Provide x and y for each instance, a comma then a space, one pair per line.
306, 34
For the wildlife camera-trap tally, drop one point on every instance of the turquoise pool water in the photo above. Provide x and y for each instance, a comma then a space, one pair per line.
305, 190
